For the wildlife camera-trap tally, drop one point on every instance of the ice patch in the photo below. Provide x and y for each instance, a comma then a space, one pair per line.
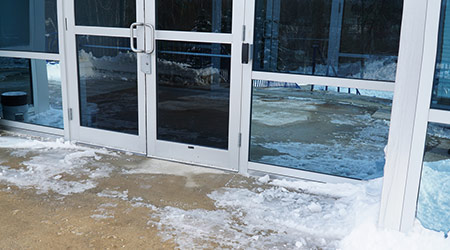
154, 166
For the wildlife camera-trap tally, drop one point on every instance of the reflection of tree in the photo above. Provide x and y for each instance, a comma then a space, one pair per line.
105, 12
371, 27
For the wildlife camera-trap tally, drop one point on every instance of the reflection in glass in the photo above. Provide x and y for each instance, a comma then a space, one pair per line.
336, 131
195, 15
105, 13
319, 37
107, 74
29, 25
441, 90
193, 88
434, 195
30, 91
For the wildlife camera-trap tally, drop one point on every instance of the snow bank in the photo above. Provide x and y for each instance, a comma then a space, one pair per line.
433, 208
368, 237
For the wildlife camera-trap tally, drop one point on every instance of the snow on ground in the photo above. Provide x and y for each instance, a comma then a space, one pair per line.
56, 166
275, 214
291, 215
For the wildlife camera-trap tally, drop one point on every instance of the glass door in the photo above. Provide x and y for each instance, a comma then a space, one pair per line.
194, 85
109, 108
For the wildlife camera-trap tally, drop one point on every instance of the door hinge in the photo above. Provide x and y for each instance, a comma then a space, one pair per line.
240, 140
70, 114
246, 53
65, 23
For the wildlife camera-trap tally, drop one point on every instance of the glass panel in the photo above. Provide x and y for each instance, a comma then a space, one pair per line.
194, 15
107, 74
105, 13
30, 91
29, 25
319, 37
441, 90
336, 131
434, 195
193, 87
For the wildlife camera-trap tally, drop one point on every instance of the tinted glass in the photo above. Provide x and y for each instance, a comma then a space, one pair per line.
194, 15
434, 194
29, 26
106, 13
193, 87
336, 131
30, 91
441, 90
348, 38
107, 74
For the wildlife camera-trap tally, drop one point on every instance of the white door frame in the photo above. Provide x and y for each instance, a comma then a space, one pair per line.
223, 159
411, 114
133, 143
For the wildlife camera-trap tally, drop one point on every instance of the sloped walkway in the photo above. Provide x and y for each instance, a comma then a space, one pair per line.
56, 195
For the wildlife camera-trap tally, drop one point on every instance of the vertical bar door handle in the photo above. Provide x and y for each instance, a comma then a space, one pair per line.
245, 53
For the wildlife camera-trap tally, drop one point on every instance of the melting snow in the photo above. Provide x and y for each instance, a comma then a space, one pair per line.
59, 166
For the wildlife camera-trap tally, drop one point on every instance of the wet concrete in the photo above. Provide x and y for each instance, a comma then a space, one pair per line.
101, 217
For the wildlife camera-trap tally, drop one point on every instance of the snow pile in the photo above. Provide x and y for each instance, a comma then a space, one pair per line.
56, 166
368, 237
290, 215
434, 196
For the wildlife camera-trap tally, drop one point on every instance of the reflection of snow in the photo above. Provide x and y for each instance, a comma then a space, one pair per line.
372, 69
434, 197
54, 73
52, 118
122, 66
338, 134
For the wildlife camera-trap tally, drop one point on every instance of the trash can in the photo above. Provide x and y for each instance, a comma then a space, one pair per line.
15, 106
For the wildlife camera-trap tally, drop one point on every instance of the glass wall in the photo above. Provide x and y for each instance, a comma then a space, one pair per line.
29, 26
105, 13
107, 75
434, 195
337, 131
441, 90
338, 38
30, 91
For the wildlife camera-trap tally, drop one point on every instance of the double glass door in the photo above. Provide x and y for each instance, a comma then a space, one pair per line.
157, 77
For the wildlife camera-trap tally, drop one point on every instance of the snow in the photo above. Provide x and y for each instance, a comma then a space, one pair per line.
60, 167
274, 214
434, 196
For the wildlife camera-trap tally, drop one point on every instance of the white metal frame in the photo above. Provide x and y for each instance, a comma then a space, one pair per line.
249, 75
223, 159
411, 114
133, 143
60, 57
